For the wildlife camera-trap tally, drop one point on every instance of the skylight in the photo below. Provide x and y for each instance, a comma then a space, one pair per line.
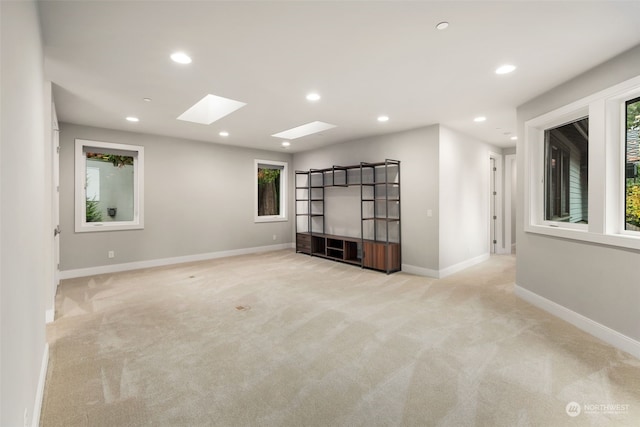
304, 130
209, 109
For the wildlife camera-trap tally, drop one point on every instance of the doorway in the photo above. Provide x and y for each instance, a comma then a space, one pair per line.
54, 272
492, 210
495, 211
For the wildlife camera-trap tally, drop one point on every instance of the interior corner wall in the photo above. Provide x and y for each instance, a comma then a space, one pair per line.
22, 181
49, 223
464, 198
417, 151
198, 199
595, 281
510, 185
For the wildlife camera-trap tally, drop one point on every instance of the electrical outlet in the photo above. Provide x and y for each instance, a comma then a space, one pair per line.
111, 254
275, 237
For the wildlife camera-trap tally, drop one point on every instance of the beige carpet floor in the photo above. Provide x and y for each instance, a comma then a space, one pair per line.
284, 339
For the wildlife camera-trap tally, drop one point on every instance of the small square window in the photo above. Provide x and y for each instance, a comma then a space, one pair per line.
109, 186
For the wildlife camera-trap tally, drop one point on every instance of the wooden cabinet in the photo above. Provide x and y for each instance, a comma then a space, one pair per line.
339, 248
303, 243
381, 256
379, 245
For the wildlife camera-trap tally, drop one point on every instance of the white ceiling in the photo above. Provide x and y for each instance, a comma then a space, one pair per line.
365, 58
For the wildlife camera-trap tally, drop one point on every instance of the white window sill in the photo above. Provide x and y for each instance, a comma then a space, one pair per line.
270, 219
626, 241
108, 226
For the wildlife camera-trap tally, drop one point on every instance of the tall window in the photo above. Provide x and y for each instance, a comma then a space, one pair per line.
567, 172
270, 179
632, 165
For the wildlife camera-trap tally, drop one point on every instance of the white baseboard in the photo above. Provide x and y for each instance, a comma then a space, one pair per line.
419, 271
49, 315
464, 264
507, 250
594, 328
115, 268
439, 274
37, 405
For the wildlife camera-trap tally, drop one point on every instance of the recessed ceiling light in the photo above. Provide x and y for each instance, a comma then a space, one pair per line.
514, 138
383, 118
286, 143
209, 109
505, 69
442, 25
181, 58
147, 99
304, 130
313, 97
480, 119
133, 119
224, 133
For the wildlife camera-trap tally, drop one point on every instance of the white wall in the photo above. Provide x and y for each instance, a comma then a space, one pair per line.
198, 200
464, 198
595, 281
24, 263
418, 152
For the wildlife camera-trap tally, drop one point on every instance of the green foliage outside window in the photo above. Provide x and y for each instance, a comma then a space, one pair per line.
633, 157
633, 205
93, 211
268, 192
115, 160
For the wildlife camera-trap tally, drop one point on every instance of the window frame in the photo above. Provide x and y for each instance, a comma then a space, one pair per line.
80, 162
562, 145
535, 141
562, 179
607, 150
284, 179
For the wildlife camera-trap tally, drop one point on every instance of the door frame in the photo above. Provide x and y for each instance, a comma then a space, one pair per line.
510, 173
52, 143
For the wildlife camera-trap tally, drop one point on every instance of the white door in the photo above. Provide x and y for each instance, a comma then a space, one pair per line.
56, 200
492, 202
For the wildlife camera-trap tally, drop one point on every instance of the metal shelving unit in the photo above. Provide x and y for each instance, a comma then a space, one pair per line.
379, 245
380, 208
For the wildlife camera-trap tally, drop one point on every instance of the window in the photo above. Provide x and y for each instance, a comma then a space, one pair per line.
581, 169
271, 191
632, 164
567, 172
108, 186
